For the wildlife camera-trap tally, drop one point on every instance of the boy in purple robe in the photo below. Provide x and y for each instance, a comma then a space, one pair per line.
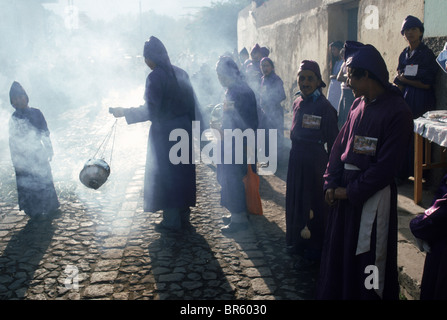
31, 153
270, 111
314, 129
359, 259
170, 104
417, 69
239, 112
416, 78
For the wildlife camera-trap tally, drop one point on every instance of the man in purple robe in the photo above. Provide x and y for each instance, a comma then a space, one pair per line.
239, 113
170, 104
359, 259
314, 129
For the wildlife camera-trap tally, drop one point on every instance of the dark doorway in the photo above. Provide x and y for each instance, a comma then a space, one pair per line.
343, 21
353, 14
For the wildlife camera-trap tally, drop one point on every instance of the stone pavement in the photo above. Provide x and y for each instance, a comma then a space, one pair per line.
103, 246
410, 258
92, 250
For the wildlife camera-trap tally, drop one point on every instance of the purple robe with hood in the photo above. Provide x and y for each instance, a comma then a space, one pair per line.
242, 116
271, 95
359, 259
170, 104
305, 204
31, 149
270, 110
420, 100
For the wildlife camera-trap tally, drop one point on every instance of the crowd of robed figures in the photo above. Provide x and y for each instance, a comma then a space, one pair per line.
341, 197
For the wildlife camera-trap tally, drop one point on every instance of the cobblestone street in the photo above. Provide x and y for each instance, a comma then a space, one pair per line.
103, 246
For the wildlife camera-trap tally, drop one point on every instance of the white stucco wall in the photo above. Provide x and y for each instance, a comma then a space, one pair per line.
308, 26
387, 37
290, 40
435, 18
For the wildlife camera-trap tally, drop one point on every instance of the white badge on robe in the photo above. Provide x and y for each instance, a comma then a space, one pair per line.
311, 121
376, 206
411, 70
365, 145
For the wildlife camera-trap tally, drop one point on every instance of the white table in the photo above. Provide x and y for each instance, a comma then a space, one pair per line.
431, 128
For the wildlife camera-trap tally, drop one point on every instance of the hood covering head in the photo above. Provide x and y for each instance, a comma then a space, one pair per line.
314, 67
17, 90
366, 56
268, 60
255, 49
265, 51
226, 66
244, 51
412, 22
155, 50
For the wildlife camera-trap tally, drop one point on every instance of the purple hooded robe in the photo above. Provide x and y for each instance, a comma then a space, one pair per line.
31, 148
361, 236
305, 204
242, 116
170, 104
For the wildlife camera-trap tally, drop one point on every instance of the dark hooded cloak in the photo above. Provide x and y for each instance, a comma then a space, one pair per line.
31, 149
170, 105
359, 259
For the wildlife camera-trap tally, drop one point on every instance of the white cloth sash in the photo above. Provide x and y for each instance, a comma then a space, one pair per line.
377, 206
351, 167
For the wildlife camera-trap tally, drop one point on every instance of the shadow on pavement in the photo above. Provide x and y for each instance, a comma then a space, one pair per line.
185, 268
22, 257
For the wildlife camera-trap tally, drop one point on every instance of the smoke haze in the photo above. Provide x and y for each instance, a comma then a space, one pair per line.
74, 68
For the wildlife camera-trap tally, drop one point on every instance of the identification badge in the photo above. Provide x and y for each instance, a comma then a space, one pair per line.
411, 70
311, 122
365, 145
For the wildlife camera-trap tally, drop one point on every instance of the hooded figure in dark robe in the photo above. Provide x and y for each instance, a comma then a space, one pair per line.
359, 259
170, 184
270, 110
31, 153
314, 129
239, 112
253, 73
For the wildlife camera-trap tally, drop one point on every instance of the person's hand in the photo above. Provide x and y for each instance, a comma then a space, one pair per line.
400, 76
340, 194
117, 112
332, 195
329, 197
